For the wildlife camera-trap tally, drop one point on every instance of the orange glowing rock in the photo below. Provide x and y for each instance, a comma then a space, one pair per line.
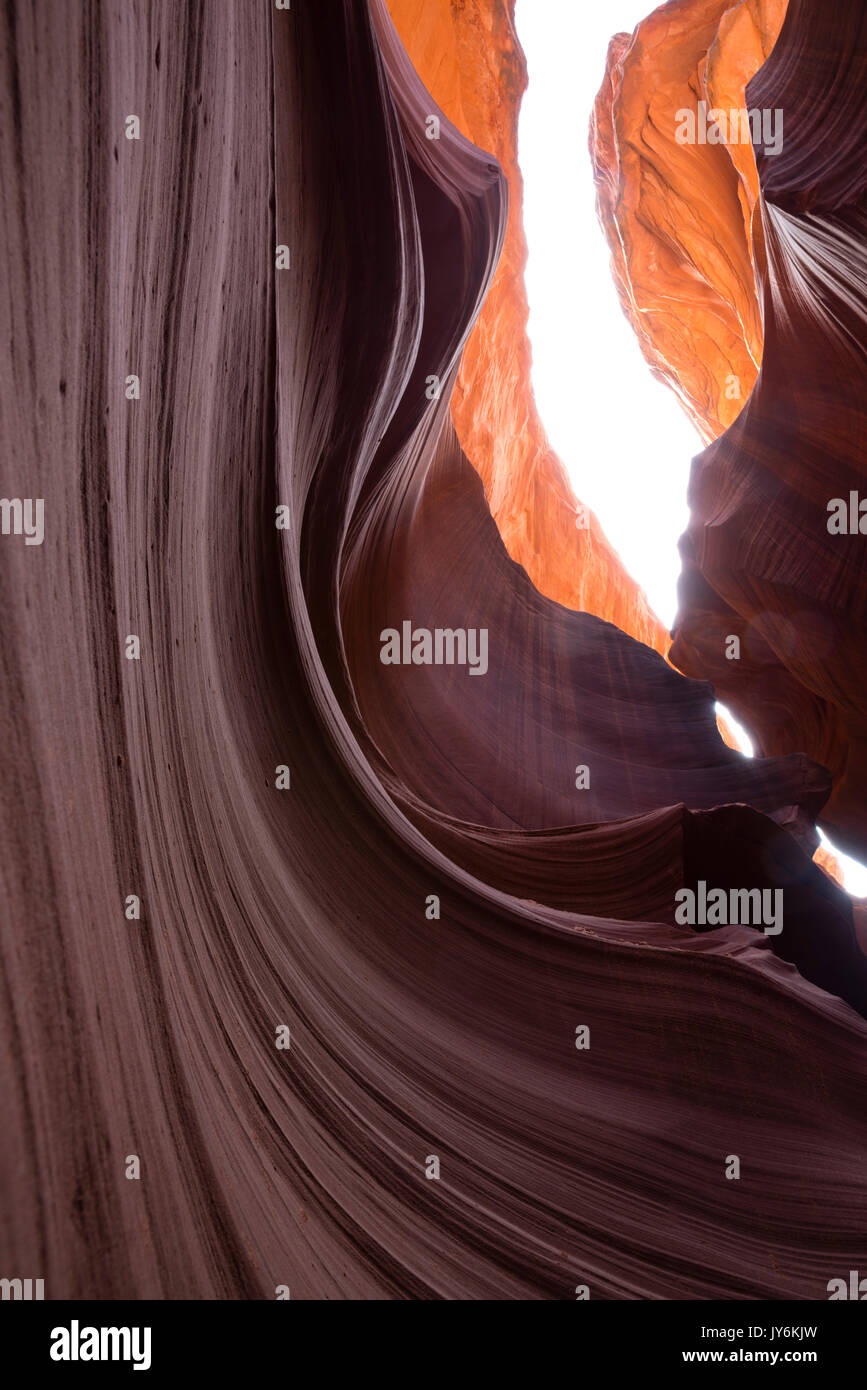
470, 59
678, 217
830, 863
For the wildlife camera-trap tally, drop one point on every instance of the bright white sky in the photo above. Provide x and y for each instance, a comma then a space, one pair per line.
623, 438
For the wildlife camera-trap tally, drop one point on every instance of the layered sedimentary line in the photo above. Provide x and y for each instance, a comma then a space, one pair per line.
392, 865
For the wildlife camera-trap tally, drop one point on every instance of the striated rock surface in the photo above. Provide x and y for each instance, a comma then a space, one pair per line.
395, 862
708, 246
759, 558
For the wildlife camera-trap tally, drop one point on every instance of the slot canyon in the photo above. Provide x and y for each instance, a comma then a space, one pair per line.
285, 920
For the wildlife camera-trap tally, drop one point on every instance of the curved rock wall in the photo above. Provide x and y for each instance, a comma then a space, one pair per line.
378, 908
